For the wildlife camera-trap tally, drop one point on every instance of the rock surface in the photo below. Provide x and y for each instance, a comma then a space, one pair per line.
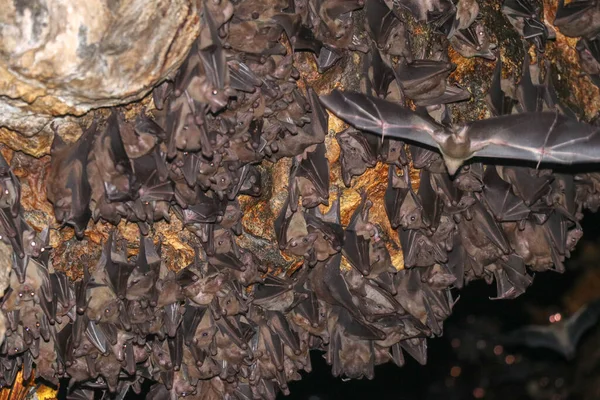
5, 267
61, 57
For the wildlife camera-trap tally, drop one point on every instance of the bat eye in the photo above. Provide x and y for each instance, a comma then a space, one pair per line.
412, 219
33, 244
214, 92
204, 334
32, 294
37, 324
20, 294
106, 310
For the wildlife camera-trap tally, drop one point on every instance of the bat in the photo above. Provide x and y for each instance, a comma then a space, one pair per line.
424, 158
356, 155
10, 189
500, 199
528, 184
430, 202
387, 30
577, 18
68, 188
114, 164
561, 337
511, 277
309, 178
497, 101
524, 17
530, 97
466, 13
473, 41
330, 234
327, 58
423, 80
378, 74
117, 268
357, 236
423, 10
419, 250
151, 172
264, 36
552, 138
161, 93
588, 51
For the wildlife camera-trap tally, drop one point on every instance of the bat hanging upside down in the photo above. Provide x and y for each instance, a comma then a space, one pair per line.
541, 137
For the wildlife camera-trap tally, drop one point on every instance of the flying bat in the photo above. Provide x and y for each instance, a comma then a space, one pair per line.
563, 336
536, 136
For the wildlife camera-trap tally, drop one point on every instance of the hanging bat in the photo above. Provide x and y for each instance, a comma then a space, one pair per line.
327, 58
551, 137
473, 42
423, 80
524, 17
68, 188
589, 58
530, 97
578, 18
387, 30
500, 199
562, 337
10, 189
113, 163
497, 101
511, 277
356, 155
378, 75
309, 178
423, 10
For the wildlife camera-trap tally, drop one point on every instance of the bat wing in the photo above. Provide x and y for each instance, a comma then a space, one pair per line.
381, 20
417, 348
497, 101
383, 75
582, 321
213, 57
518, 8
536, 336
279, 324
241, 77
383, 117
271, 287
327, 59
97, 337
315, 168
529, 96
542, 137
500, 199
574, 19
430, 201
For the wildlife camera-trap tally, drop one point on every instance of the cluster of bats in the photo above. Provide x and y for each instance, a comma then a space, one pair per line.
227, 327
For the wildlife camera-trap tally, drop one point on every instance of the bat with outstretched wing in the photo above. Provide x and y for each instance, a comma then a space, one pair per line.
541, 137
561, 337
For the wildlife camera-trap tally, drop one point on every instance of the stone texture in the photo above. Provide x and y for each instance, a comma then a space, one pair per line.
5, 267
61, 57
